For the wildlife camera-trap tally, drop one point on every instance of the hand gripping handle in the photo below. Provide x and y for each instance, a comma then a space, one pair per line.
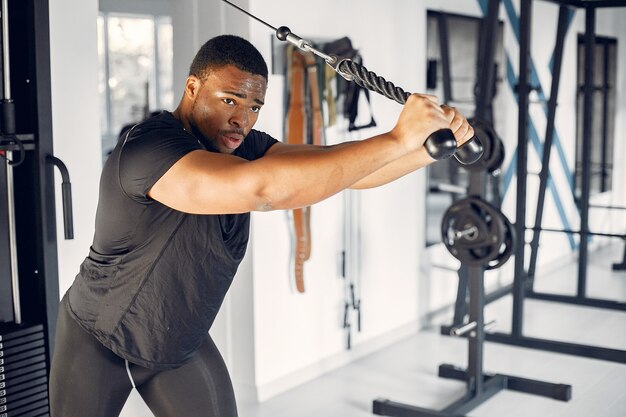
440, 144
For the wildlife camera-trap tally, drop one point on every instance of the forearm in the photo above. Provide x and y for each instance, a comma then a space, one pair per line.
394, 170
303, 176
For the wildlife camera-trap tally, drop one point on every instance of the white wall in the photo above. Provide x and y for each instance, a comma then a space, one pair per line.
76, 123
299, 336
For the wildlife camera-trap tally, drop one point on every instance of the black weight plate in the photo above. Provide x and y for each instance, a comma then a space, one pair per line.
473, 231
498, 157
507, 248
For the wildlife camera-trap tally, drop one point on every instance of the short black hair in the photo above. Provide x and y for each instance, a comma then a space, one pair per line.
223, 50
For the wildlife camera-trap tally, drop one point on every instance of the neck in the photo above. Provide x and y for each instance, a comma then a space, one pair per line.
180, 114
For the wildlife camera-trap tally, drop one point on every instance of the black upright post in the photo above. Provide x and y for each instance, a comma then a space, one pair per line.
34, 179
522, 161
444, 51
590, 23
544, 175
605, 176
475, 380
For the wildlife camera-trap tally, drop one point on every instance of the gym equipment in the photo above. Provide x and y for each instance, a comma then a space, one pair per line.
439, 145
523, 283
23, 371
493, 148
28, 237
477, 233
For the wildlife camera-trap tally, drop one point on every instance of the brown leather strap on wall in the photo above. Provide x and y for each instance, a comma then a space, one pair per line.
316, 120
296, 134
304, 124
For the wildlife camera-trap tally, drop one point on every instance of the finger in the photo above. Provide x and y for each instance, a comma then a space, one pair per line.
458, 122
431, 97
426, 99
463, 134
450, 112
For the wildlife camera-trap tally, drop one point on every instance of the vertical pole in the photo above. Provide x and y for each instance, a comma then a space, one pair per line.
522, 161
605, 116
476, 337
15, 281
486, 53
5, 50
8, 128
547, 146
444, 51
476, 274
460, 305
590, 23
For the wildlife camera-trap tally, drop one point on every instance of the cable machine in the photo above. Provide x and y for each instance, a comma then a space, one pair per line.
29, 283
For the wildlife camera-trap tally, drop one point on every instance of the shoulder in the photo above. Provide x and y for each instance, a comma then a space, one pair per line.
149, 150
160, 134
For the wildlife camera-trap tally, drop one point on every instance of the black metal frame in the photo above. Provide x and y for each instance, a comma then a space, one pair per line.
523, 282
522, 286
479, 385
35, 220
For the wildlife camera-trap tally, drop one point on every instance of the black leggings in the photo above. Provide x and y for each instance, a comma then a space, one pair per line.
87, 379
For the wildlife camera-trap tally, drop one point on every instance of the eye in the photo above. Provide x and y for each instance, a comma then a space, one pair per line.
256, 109
228, 101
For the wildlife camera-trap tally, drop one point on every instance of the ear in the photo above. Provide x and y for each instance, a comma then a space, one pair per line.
192, 86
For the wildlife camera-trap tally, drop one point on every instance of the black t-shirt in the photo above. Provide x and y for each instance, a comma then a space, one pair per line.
155, 277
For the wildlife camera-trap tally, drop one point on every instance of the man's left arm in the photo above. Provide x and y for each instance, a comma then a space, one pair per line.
402, 166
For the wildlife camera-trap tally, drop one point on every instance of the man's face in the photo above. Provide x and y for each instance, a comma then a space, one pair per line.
226, 106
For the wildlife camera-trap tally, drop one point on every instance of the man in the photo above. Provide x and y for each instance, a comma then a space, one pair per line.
172, 226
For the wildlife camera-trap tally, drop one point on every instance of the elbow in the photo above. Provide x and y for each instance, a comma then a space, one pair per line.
264, 205
264, 198
272, 196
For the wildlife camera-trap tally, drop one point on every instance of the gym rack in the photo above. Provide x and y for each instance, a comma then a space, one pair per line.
480, 386
523, 281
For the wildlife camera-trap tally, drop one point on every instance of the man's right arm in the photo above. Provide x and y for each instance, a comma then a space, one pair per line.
211, 183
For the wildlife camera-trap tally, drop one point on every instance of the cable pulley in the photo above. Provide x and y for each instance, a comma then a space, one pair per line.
439, 145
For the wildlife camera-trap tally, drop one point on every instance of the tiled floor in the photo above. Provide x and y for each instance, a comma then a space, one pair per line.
407, 372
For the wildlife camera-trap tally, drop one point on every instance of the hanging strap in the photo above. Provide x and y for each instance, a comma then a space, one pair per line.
295, 133
314, 105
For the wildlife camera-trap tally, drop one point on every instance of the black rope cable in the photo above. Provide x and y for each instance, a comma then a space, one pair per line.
373, 82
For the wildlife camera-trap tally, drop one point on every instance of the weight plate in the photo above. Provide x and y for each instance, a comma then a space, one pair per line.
477, 233
507, 248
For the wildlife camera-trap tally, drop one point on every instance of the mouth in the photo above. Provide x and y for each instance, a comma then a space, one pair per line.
231, 140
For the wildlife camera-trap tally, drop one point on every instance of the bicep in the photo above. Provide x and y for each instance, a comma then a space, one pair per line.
281, 148
204, 182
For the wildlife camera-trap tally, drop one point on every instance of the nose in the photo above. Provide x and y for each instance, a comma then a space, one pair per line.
239, 118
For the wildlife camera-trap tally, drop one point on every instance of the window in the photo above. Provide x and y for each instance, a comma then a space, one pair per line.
603, 115
135, 76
